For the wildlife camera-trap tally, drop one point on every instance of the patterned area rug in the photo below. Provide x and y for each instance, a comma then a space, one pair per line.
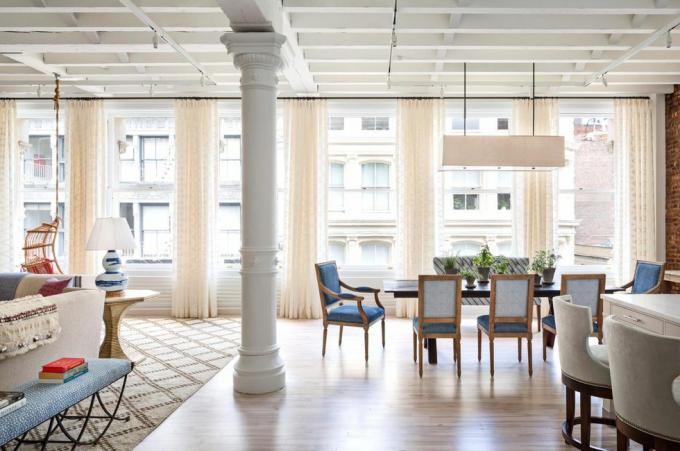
174, 358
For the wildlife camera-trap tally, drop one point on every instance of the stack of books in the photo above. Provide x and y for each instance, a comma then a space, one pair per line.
10, 401
62, 370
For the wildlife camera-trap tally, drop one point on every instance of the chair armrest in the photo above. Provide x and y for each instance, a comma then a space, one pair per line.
340, 296
359, 289
626, 286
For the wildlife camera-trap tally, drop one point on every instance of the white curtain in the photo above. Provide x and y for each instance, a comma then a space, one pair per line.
420, 128
635, 199
85, 172
305, 136
194, 293
11, 207
534, 200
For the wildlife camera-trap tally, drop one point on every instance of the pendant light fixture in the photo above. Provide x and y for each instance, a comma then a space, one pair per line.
512, 153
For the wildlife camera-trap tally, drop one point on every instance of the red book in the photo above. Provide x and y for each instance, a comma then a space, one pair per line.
62, 365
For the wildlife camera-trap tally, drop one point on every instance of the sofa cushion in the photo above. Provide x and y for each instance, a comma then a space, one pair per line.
27, 323
32, 283
9, 281
54, 286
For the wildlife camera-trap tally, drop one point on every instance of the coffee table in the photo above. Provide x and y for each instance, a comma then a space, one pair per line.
114, 309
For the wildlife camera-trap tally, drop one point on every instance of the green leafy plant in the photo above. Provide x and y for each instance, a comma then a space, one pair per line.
544, 259
469, 275
484, 259
501, 265
450, 262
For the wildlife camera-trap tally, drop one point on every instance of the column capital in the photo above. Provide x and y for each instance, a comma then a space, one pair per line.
262, 48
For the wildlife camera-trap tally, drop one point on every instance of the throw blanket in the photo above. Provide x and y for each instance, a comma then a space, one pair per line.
27, 323
9, 281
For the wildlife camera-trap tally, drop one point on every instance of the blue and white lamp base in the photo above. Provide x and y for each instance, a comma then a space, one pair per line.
113, 281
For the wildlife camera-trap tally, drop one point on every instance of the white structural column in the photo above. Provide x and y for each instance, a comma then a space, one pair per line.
259, 368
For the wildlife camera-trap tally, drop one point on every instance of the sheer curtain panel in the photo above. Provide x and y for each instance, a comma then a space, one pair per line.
535, 192
85, 180
635, 197
305, 136
194, 294
10, 189
420, 124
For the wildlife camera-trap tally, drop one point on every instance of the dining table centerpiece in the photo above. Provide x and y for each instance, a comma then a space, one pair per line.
484, 261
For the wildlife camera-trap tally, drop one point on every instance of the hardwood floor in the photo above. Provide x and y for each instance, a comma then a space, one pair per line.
339, 403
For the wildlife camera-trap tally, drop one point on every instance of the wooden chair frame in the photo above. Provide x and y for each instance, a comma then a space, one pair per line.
625, 432
658, 288
508, 319
325, 308
420, 336
597, 317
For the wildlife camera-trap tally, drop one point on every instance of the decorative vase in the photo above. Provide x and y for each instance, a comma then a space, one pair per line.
470, 283
548, 275
484, 272
537, 279
113, 279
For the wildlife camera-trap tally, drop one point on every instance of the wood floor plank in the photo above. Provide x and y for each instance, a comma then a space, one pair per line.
340, 403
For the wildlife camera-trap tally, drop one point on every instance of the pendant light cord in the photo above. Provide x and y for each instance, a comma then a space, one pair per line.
464, 99
533, 99
57, 94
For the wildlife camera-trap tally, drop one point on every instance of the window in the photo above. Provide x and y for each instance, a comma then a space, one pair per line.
336, 185
38, 160
157, 163
155, 223
375, 253
465, 202
336, 123
503, 201
229, 221
375, 183
336, 251
465, 248
230, 160
502, 123
458, 182
472, 123
375, 123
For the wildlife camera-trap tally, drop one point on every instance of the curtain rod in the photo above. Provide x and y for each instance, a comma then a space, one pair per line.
342, 98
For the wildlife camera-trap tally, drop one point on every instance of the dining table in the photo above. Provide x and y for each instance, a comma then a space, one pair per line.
477, 295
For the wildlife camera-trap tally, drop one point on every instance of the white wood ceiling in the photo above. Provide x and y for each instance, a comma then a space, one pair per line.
100, 48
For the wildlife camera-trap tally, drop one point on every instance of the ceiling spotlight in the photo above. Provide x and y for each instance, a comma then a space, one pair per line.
155, 39
669, 40
604, 80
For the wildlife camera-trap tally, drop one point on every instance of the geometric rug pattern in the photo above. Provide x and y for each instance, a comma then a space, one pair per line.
173, 359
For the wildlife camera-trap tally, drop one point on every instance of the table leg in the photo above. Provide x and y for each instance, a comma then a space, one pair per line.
432, 351
112, 315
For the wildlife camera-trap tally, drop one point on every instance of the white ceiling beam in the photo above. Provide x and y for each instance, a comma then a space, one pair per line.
84, 9
637, 20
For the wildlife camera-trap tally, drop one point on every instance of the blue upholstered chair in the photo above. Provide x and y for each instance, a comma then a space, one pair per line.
509, 314
336, 312
585, 290
648, 278
439, 303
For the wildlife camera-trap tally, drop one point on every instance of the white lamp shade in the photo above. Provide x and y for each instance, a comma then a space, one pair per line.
110, 234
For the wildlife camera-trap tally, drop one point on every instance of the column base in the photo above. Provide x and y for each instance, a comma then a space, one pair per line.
259, 373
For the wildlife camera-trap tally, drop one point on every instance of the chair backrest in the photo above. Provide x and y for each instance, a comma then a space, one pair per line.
327, 276
643, 368
585, 290
575, 324
511, 298
439, 299
648, 277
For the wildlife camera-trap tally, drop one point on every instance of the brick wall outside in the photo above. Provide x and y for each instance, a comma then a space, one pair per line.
673, 181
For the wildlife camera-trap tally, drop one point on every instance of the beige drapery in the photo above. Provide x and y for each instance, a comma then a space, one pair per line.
10, 189
534, 196
85, 138
420, 128
194, 293
305, 136
635, 197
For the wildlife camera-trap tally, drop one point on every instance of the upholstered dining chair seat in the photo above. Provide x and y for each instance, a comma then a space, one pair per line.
549, 321
350, 314
436, 328
600, 353
483, 321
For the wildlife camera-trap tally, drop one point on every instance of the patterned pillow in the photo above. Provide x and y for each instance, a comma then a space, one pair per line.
27, 323
54, 286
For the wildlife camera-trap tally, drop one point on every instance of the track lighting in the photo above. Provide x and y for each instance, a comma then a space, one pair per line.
155, 39
669, 40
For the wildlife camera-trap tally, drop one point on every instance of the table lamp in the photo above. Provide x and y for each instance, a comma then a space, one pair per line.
110, 234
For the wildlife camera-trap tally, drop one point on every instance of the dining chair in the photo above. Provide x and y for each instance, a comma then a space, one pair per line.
509, 314
648, 278
439, 305
584, 368
645, 374
585, 290
336, 312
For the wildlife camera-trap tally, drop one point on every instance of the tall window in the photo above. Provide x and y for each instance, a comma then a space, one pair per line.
336, 123
336, 251
156, 239
157, 163
38, 160
375, 123
375, 183
230, 160
460, 184
375, 253
336, 187
229, 224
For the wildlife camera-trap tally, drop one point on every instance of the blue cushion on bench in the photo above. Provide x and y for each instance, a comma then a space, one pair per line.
350, 314
483, 321
43, 401
436, 328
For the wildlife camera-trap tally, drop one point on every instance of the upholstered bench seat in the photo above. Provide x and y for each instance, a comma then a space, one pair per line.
483, 321
44, 401
350, 313
549, 321
436, 328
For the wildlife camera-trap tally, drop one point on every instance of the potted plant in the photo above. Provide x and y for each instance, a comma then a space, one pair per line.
469, 277
483, 261
549, 259
501, 265
450, 264
538, 265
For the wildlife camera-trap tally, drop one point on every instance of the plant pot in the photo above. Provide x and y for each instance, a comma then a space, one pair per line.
484, 272
537, 279
470, 283
548, 275
451, 271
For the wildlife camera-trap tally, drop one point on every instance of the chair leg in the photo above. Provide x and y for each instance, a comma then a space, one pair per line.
479, 345
456, 344
491, 355
538, 316
454, 351
323, 346
340, 338
585, 421
366, 344
415, 346
571, 408
621, 441
383, 332
531, 367
519, 349
545, 345
420, 356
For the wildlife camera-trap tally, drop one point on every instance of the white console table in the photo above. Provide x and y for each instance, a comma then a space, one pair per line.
658, 313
